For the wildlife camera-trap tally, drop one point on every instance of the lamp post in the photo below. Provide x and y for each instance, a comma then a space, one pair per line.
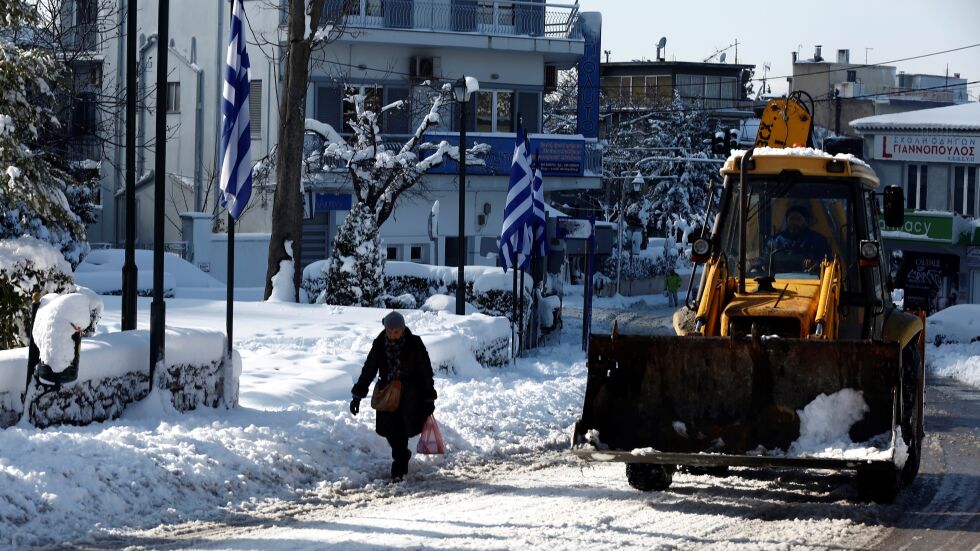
637, 184
462, 89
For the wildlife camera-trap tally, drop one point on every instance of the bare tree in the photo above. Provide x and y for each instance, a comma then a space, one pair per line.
308, 27
379, 176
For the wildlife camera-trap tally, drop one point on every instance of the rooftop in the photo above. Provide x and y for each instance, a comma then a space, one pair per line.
963, 117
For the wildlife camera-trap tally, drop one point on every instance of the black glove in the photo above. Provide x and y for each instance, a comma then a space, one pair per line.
429, 406
355, 406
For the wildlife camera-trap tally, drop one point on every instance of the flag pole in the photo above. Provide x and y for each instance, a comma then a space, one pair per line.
513, 316
230, 291
230, 304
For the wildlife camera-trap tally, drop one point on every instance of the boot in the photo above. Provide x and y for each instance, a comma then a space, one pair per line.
399, 467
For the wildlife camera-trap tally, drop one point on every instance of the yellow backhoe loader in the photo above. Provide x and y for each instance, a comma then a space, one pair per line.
782, 315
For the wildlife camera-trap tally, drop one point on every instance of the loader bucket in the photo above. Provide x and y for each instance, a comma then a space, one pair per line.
703, 397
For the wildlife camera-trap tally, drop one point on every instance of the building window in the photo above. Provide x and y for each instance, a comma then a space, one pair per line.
393, 252
965, 190
372, 102
255, 109
852, 76
416, 253
369, 8
492, 13
173, 97
917, 186
494, 111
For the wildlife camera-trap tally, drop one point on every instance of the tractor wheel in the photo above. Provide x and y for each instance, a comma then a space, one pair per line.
913, 397
649, 477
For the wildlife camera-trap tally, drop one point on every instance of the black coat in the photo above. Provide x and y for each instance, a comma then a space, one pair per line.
418, 392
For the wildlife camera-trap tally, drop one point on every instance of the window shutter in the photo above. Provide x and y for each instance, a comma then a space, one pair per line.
255, 108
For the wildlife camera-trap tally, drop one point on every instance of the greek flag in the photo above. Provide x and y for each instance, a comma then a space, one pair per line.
236, 137
516, 233
540, 246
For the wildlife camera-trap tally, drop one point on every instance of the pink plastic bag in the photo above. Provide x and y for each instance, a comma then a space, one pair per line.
431, 440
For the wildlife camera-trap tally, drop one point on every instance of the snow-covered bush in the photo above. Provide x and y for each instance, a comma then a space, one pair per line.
27, 266
33, 181
405, 302
637, 267
354, 274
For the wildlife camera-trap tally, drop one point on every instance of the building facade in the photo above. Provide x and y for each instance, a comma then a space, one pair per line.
391, 50
843, 91
934, 154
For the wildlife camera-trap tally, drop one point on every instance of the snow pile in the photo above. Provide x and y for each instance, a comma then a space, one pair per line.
113, 371
101, 271
825, 424
799, 152
826, 421
444, 303
43, 255
58, 318
955, 352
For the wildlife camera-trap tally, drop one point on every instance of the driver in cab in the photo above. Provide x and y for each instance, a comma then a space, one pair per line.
799, 239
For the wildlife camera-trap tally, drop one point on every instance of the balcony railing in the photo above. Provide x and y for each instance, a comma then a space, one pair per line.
563, 156
487, 17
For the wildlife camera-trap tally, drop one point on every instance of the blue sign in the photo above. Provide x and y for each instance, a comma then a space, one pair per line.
332, 201
588, 75
558, 156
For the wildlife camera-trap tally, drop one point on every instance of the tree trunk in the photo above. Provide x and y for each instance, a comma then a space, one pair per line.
287, 208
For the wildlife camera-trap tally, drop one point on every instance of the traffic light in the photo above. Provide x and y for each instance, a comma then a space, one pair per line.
718, 144
732, 139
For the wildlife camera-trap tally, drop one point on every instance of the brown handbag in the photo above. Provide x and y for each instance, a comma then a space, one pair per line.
387, 398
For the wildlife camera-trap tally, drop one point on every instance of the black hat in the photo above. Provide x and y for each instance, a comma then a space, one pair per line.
394, 320
803, 211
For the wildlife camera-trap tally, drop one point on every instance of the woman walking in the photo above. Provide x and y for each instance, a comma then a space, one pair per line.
399, 356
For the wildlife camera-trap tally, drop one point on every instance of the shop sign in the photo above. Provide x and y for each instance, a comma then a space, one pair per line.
920, 227
973, 257
929, 280
927, 148
332, 201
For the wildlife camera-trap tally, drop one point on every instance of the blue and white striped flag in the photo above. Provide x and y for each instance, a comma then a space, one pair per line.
516, 233
540, 246
236, 137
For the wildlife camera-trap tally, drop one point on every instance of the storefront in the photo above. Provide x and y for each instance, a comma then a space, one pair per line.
934, 155
935, 258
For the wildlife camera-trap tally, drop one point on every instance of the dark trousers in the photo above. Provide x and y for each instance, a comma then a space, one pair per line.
400, 454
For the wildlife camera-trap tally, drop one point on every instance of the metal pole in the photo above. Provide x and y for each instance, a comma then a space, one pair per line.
158, 308
837, 112
461, 262
619, 261
130, 270
230, 306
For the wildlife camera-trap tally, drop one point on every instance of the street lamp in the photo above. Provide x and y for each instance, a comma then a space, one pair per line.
637, 185
462, 89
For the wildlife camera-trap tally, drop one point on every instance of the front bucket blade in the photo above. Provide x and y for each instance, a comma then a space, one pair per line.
715, 394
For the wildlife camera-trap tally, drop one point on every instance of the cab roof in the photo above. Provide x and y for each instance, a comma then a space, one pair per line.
804, 161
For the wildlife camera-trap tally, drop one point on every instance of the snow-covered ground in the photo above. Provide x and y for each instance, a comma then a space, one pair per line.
292, 445
293, 432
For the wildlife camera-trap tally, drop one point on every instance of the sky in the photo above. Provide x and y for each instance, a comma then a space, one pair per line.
768, 33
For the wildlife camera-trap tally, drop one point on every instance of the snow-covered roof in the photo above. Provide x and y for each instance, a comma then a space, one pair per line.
963, 117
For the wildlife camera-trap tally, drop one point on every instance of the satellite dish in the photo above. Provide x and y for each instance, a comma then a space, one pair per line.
722, 58
662, 43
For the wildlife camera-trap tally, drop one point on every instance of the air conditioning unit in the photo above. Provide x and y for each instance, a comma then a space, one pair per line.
422, 67
550, 78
